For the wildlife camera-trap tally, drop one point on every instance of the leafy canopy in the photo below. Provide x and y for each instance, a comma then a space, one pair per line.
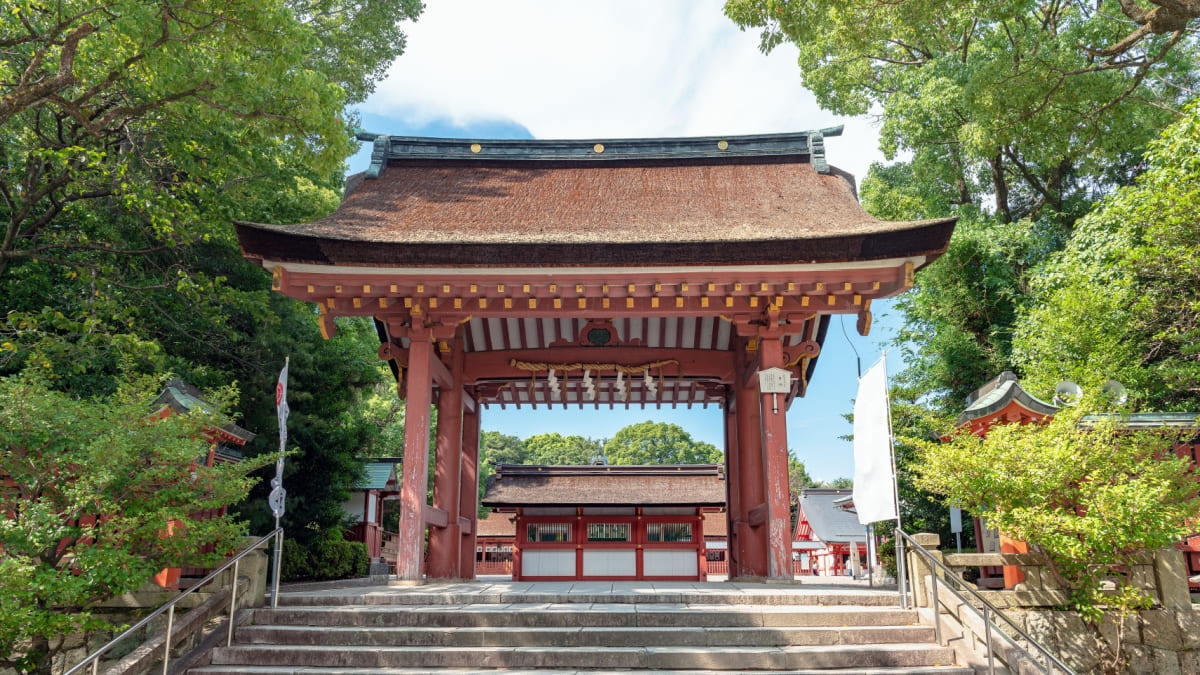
1093, 495
1123, 299
659, 443
97, 498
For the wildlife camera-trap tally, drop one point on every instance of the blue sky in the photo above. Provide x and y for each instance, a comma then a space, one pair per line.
538, 69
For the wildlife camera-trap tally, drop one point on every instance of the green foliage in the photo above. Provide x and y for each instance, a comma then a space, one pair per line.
659, 443
1094, 496
1011, 99
327, 559
97, 498
798, 477
555, 448
958, 320
118, 183
1122, 301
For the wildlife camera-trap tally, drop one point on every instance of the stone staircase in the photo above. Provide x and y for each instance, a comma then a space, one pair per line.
696, 628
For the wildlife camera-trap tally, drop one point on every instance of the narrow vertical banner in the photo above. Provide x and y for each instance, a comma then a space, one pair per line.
276, 498
874, 478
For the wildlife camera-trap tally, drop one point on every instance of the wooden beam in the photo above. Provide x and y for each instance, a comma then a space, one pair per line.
435, 517
712, 364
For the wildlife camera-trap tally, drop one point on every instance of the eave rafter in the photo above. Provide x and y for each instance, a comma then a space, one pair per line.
721, 293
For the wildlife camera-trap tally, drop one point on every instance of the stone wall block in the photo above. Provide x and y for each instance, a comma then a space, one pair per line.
1131, 631
1189, 629
1189, 662
1160, 629
1143, 578
1033, 578
1170, 575
1065, 634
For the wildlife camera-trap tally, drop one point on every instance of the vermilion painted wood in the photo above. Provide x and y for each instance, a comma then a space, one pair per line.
775, 453
733, 502
444, 542
469, 493
416, 460
753, 556
716, 365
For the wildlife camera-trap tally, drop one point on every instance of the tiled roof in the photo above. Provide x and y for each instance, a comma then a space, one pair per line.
997, 394
830, 523
665, 485
496, 525
716, 525
376, 475
667, 207
183, 397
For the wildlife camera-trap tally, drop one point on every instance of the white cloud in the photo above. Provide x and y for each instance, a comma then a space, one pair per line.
618, 68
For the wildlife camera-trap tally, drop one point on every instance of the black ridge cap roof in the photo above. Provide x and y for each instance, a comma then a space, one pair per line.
810, 144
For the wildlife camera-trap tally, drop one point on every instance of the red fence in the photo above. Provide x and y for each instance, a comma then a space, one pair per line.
494, 567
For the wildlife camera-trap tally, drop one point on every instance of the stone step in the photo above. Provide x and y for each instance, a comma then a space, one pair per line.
593, 615
290, 670
508, 636
673, 658
485, 597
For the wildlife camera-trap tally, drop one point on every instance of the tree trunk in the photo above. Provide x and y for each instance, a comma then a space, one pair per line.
962, 195
1001, 187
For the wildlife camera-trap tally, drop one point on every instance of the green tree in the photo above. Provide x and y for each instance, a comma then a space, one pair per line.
1122, 301
798, 477
1034, 108
134, 132
1094, 497
97, 498
659, 443
1031, 103
554, 448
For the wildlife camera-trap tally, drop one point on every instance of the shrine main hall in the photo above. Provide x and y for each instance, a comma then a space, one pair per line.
588, 273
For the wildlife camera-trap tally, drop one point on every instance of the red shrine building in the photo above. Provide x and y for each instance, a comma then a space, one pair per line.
588, 273
607, 522
828, 539
365, 505
1002, 400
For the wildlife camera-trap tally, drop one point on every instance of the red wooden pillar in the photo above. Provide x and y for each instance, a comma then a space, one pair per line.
775, 464
701, 553
516, 573
447, 467
733, 510
418, 395
468, 494
751, 526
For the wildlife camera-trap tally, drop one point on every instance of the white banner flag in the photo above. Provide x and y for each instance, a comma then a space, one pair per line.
874, 482
281, 406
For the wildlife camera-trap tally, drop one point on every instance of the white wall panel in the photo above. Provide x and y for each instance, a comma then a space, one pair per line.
540, 563
609, 563
669, 563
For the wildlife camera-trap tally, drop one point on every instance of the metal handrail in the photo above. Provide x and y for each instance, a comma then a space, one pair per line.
989, 610
169, 608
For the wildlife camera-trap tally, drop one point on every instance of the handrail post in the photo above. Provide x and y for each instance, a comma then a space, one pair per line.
937, 608
232, 603
987, 631
275, 575
167, 639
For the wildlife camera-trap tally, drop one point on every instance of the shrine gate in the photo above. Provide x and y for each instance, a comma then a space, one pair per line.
627, 272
